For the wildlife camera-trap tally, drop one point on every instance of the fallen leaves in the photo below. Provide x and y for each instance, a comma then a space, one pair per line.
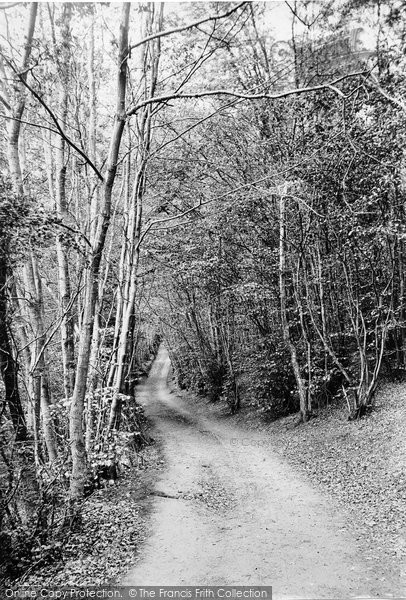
114, 525
361, 465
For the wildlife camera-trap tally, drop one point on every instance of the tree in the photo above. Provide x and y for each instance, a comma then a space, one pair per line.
79, 467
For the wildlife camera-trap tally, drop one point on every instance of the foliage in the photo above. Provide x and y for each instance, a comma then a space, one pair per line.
263, 241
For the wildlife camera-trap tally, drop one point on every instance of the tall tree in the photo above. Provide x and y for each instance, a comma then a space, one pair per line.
79, 466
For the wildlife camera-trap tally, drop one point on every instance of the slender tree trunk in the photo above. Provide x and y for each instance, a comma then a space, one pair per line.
305, 333
124, 351
285, 324
33, 290
19, 309
402, 308
322, 306
122, 287
132, 289
123, 347
29, 488
91, 68
32, 282
79, 466
8, 365
67, 330
38, 369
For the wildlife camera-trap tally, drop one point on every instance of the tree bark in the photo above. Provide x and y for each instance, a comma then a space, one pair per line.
124, 350
38, 369
67, 325
29, 489
79, 466
8, 365
284, 319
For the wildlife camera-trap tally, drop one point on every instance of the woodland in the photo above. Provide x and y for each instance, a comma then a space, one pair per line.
225, 178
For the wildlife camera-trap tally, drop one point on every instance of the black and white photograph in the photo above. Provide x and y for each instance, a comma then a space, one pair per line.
203, 300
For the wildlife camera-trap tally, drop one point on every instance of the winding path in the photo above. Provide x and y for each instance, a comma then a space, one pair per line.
228, 511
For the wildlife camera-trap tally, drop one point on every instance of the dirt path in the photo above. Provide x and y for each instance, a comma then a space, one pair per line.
228, 512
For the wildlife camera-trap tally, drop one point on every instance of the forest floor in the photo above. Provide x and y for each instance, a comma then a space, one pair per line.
316, 510
115, 524
360, 465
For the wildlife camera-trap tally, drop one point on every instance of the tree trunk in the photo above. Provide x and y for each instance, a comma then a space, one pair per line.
285, 324
29, 489
79, 466
8, 365
305, 334
38, 369
33, 289
67, 329
124, 350
122, 282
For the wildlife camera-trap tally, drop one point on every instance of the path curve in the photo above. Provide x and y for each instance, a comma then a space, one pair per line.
228, 511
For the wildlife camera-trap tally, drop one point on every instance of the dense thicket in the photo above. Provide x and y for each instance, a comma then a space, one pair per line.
343, 273
231, 190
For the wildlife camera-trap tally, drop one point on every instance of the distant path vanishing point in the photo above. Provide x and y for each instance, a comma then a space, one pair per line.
228, 511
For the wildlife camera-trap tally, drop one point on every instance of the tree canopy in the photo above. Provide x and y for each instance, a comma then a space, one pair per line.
228, 178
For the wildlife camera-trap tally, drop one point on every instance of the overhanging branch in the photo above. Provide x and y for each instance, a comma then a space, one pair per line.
323, 86
161, 34
5, 5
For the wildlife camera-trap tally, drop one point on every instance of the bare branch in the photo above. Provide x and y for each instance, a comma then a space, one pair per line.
53, 329
29, 123
6, 5
75, 231
296, 14
385, 94
161, 34
61, 132
323, 86
4, 101
23, 78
